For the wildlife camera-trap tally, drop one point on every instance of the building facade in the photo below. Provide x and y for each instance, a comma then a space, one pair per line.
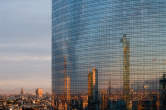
88, 34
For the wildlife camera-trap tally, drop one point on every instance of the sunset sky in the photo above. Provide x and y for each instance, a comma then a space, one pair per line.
25, 44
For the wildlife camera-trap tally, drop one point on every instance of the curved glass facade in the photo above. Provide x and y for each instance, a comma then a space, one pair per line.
108, 47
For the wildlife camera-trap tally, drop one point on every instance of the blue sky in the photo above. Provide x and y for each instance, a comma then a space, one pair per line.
25, 44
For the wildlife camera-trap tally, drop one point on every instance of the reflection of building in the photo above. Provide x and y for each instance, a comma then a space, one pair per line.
163, 93
104, 100
126, 69
93, 89
84, 102
67, 82
90, 85
39, 92
87, 32
146, 104
67, 87
93, 84
116, 105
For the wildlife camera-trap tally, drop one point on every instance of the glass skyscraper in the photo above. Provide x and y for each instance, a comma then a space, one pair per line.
124, 41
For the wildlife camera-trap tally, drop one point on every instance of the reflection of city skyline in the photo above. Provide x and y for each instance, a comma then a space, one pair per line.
123, 40
99, 46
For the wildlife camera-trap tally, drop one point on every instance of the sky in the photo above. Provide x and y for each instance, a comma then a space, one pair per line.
25, 44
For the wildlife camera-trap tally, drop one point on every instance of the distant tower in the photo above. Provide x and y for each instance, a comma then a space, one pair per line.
163, 92
39, 92
22, 91
126, 69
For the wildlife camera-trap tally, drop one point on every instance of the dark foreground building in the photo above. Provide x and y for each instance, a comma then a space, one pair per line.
124, 40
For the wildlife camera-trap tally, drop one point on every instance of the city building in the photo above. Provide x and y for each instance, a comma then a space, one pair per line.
93, 90
123, 39
29, 102
39, 92
22, 91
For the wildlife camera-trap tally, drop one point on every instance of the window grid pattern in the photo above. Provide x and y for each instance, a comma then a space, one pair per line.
88, 34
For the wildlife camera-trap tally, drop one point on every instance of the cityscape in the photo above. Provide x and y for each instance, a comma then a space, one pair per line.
24, 101
104, 55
